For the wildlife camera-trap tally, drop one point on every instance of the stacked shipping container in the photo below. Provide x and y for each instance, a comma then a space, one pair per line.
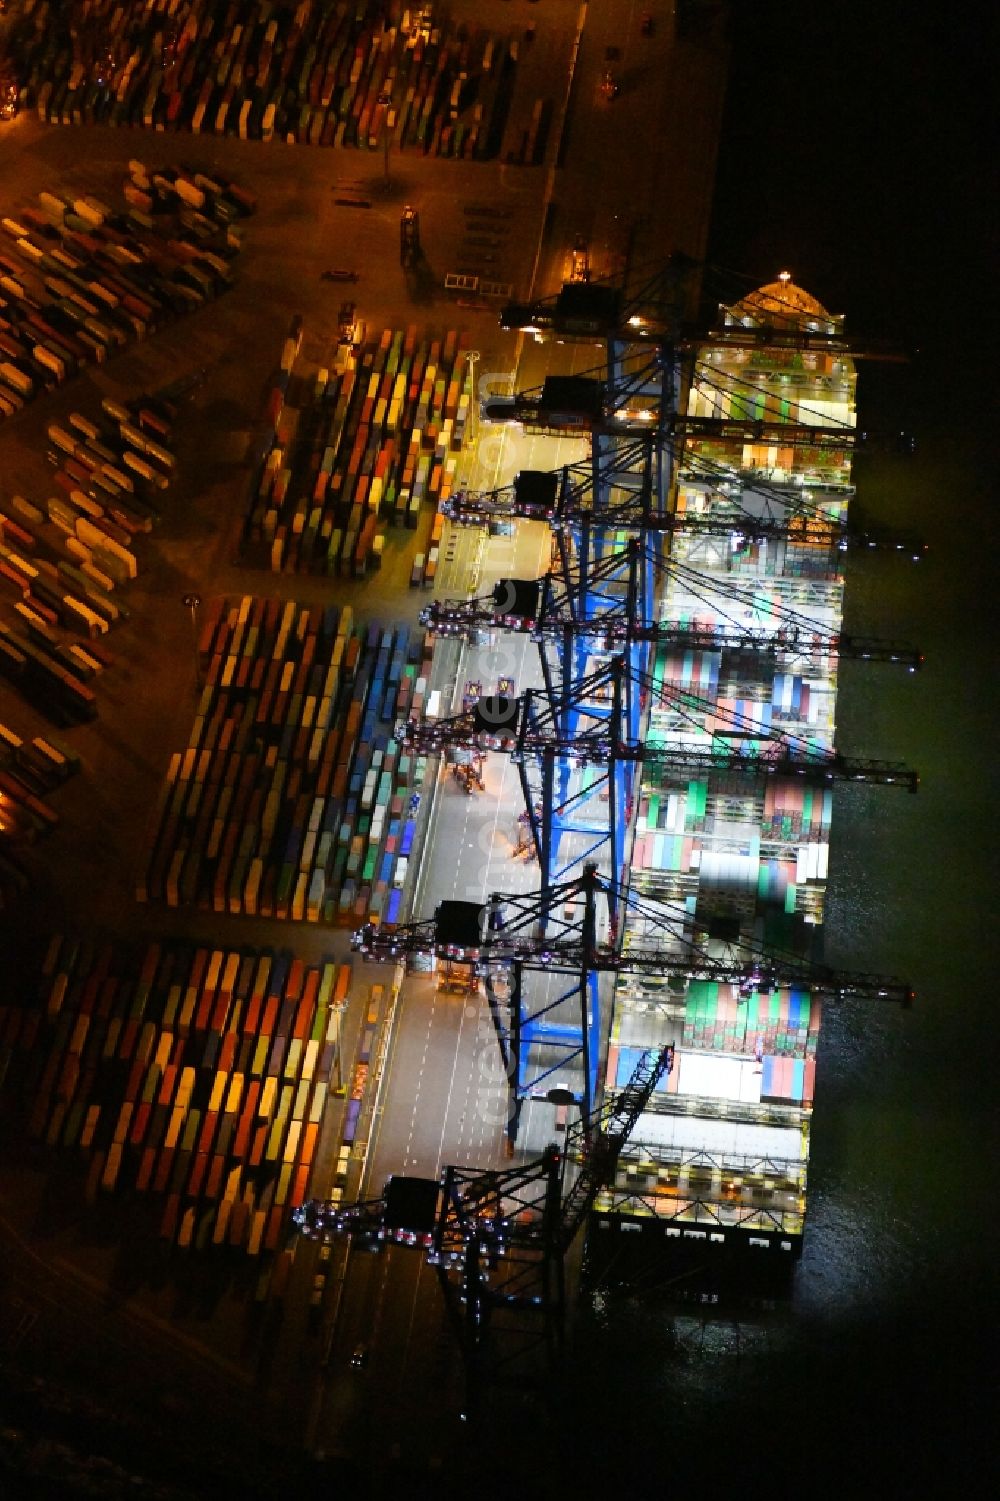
194, 1074
86, 279
332, 75
292, 798
65, 563
372, 442
28, 772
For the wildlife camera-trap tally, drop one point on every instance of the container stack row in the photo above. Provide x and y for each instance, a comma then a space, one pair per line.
677, 811
787, 704
782, 1022
370, 443
663, 852
356, 1087
50, 670
208, 205
113, 467
65, 563
196, 1075
793, 811
83, 280
339, 74
675, 828
292, 797
423, 570
29, 771
787, 1081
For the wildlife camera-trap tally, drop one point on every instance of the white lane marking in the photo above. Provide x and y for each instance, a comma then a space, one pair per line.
448, 1093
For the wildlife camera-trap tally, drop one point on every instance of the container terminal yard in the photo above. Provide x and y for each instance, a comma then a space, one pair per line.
393, 570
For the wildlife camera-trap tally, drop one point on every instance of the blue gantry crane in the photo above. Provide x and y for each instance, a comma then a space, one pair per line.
499, 1237
580, 740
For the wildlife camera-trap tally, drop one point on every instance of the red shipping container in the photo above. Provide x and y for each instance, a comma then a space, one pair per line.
168, 1225
207, 1132
135, 1078
258, 1145
220, 1013
809, 1081
215, 1176
227, 1052
163, 1168
300, 1187
140, 1121
272, 1235
238, 1217
197, 1174
145, 1169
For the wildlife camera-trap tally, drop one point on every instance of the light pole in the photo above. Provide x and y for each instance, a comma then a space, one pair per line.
472, 431
385, 99
192, 601
338, 1078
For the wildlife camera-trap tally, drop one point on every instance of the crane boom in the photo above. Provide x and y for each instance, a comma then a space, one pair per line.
509, 726
616, 1122
485, 507
454, 617
531, 929
754, 975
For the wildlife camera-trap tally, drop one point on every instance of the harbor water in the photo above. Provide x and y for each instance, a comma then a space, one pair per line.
877, 1371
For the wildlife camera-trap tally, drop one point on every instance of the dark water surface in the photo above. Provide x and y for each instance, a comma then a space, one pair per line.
854, 155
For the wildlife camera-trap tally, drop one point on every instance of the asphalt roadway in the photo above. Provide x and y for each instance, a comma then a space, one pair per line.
635, 178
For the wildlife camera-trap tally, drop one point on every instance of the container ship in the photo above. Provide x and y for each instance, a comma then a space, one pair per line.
718, 1163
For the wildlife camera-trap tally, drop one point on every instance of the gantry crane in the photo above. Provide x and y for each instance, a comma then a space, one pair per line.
560, 935
577, 747
623, 492
499, 1237
553, 607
